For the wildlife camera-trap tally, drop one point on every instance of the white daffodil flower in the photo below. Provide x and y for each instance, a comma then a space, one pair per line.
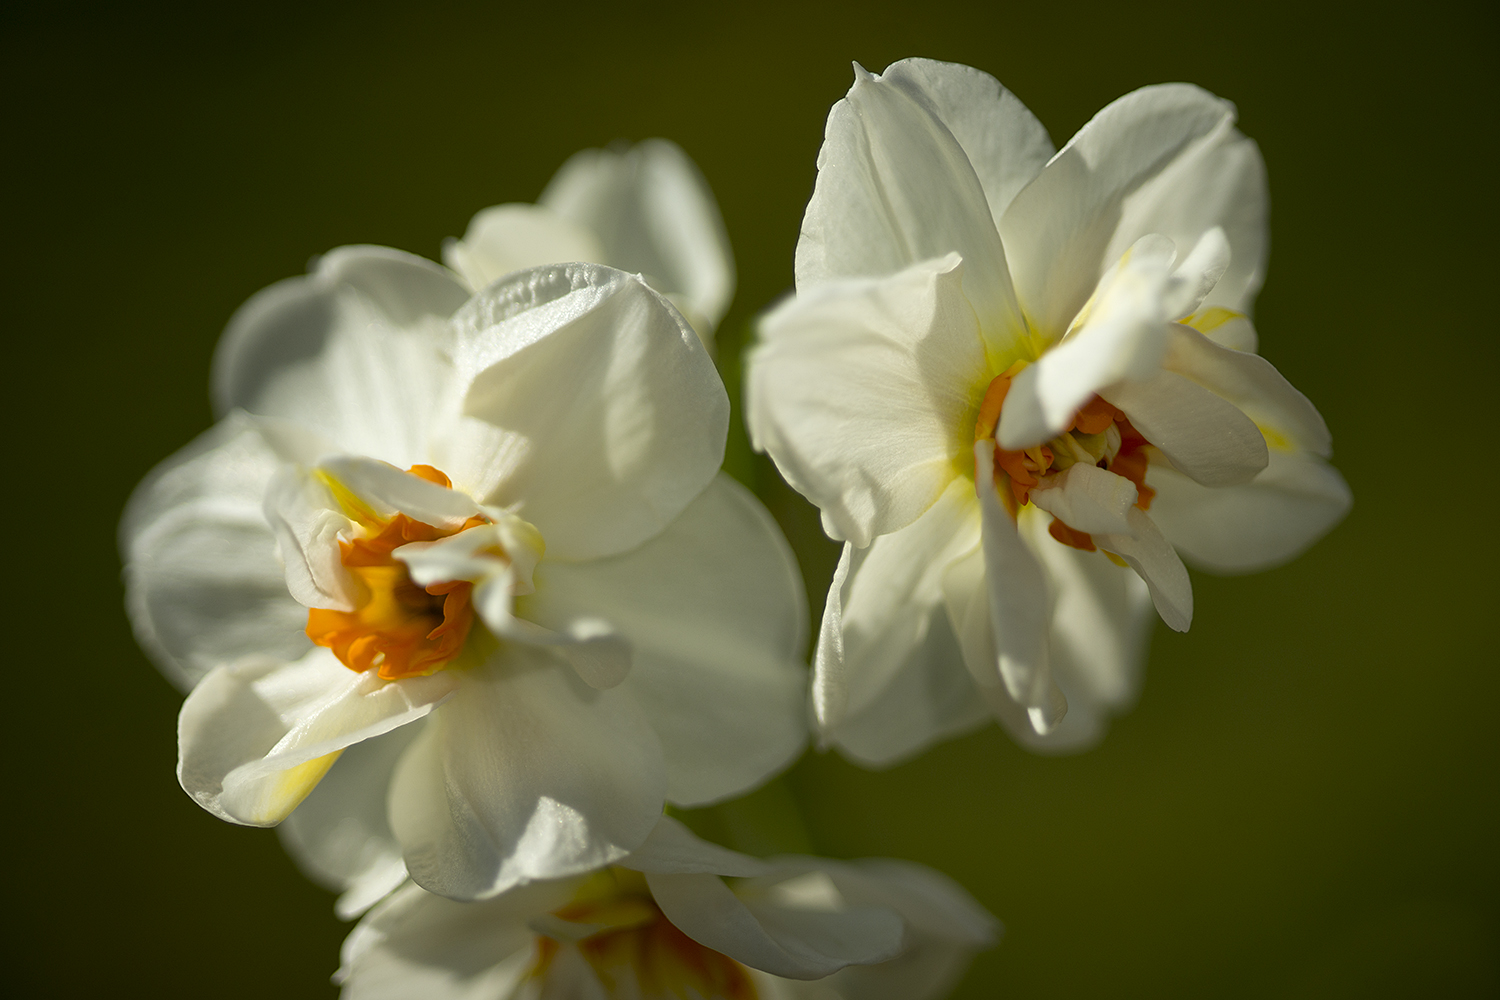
680, 917
644, 208
583, 615
1070, 332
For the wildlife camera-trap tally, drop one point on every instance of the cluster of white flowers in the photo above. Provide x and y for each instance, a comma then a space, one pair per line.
461, 600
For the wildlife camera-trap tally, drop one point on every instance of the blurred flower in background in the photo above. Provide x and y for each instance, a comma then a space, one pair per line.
679, 918
1018, 383
644, 208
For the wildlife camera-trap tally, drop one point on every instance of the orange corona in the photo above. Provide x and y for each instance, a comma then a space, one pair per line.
1017, 473
397, 627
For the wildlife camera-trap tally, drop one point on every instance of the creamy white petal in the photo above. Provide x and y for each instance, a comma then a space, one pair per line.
203, 585
653, 213
607, 416
1101, 620
1149, 553
1205, 437
1058, 230
1122, 334
830, 684
1020, 605
1056, 724
256, 737
416, 944
1087, 498
1226, 328
340, 836
505, 238
307, 524
1219, 180
861, 391
1253, 385
354, 350
931, 697
673, 849
782, 940
1198, 274
714, 611
944, 927
386, 491
892, 589
1263, 523
895, 188
1005, 144
527, 773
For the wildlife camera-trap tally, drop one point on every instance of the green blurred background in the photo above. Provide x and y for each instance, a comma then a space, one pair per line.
1302, 805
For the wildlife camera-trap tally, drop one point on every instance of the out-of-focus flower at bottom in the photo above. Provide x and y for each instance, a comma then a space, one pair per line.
678, 918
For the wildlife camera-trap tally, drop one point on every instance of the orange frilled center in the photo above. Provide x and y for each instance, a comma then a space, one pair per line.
397, 627
1017, 473
643, 954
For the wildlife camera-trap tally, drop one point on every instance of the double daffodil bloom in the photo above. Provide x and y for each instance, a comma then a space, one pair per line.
481, 544
644, 208
1021, 384
679, 918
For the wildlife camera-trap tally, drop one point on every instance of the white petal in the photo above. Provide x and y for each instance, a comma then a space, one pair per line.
307, 523
1220, 180
714, 611
340, 837
353, 350
1226, 328
930, 698
387, 490
944, 927
1005, 144
527, 773
506, 238
607, 416
1087, 498
202, 582
1058, 230
860, 391
416, 944
1020, 606
782, 940
830, 686
1054, 726
673, 849
1197, 276
1149, 553
256, 737
592, 646
1100, 623
893, 592
653, 214
1204, 437
1263, 523
1253, 385
1122, 334
895, 188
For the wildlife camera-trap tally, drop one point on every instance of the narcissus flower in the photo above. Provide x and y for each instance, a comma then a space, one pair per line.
500, 516
644, 208
679, 918
1019, 385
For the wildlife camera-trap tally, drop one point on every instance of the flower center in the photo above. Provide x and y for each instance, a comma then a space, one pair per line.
402, 629
1099, 434
640, 953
